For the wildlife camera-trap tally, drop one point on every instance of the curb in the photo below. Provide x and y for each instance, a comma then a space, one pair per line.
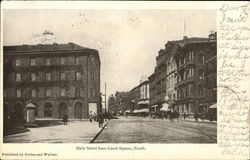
201, 121
96, 136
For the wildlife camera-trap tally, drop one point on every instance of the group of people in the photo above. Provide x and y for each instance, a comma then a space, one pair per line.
97, 118
172, 115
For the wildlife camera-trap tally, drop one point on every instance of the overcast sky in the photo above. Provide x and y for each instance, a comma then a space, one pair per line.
128, 40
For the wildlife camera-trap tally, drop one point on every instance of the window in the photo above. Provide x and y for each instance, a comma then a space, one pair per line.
18, 77
92, 75
48, 109
48, 76
18, 62
191, 72
33, 93
92, 92
18, 93
78, 76
33, 76
62, 60
32, 61
92, 59
47, 92
77, 60
47, 62
63, 92
191, 55
77, 92
63, 76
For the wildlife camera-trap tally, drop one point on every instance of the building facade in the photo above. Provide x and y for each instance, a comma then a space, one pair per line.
59, 79
144, 95
191, 87
171, 76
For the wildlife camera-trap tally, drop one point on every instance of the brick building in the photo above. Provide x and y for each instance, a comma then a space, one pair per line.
58, 79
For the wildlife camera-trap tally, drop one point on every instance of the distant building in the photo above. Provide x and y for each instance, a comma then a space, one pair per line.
144, 95
111, 104
135, 97
59, 79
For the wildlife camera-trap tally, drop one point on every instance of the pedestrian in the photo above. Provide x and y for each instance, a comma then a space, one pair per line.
184, 115
100, 120
177, 115
80, 117
90, 116
196, 116
65, 119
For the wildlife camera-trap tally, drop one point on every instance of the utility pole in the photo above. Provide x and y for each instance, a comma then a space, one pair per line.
105, 98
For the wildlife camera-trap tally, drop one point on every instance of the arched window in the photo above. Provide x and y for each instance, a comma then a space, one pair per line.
48, 109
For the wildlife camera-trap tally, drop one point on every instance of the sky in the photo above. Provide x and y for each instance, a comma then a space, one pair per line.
128, 41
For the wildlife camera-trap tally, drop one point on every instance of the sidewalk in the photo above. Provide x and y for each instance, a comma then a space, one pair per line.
74, 132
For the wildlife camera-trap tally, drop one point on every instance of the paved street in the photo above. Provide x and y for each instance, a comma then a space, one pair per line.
147, 130
74, 132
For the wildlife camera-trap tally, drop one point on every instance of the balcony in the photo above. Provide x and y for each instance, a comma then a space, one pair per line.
191, 62
190, 79
182, 82
182, 66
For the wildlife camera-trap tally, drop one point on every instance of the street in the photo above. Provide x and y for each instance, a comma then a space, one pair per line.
74, 132
147, 130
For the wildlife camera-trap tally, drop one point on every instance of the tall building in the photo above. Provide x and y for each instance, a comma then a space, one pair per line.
211, 74
160, 80
191, 64
58, 79
171, 76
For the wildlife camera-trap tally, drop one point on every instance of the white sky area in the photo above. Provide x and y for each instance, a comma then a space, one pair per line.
128, 41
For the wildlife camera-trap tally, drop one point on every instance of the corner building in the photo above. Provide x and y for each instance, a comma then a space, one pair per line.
58, 79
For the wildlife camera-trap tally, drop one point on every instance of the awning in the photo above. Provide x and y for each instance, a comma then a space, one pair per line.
165, 107
154, 106
127, 111
30, 105
213, 106
144, 102
135, 111
144, 110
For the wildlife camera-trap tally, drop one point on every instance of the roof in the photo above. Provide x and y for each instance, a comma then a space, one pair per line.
44, 47
48, 48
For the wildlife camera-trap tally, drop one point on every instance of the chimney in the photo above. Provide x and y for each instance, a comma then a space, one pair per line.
184, 39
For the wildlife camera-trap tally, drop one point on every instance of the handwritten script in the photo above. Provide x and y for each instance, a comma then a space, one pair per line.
233, 79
